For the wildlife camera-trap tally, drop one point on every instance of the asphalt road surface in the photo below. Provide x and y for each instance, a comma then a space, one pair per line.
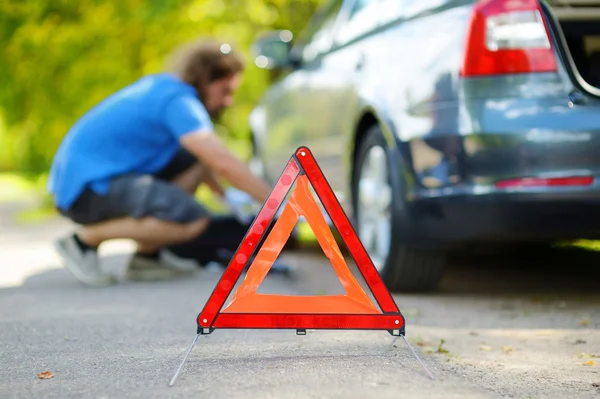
522, 326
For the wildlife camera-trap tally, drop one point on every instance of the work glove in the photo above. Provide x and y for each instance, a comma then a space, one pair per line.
240, 204
243, 205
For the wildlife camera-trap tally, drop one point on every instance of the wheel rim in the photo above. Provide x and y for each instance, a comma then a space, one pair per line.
374, 206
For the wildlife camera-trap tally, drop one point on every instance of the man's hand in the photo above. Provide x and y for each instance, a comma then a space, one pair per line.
240, 204
213, 153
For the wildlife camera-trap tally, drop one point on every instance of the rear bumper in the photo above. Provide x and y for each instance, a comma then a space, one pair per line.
453, 199
502, 217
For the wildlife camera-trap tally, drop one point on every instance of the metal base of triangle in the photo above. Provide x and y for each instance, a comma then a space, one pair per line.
415, 354
393, 342
183, 361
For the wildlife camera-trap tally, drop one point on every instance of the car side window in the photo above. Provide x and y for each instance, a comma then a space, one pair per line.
317, 38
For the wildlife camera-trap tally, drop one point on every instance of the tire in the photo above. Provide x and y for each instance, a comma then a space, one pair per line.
402, 268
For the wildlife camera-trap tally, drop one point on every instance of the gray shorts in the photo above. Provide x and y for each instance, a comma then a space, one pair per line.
139, 196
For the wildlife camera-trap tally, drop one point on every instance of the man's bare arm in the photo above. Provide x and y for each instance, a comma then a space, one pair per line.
213, 183
212, 152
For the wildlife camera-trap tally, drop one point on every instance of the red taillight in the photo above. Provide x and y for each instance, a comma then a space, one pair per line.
507, 36
546, 182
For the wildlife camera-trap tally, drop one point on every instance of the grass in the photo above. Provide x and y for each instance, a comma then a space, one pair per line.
305, 233
591, 245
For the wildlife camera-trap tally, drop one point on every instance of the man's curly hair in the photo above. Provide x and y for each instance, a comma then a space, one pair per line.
202, 62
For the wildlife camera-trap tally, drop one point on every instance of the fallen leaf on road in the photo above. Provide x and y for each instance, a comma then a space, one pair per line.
44, 375
584, 323
584, 355
485, 348
507, 349
588, 363
580, 341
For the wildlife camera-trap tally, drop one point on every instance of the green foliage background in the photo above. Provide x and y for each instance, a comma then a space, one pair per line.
61, 57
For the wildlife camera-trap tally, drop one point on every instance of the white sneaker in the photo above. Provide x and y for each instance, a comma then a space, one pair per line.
83, 265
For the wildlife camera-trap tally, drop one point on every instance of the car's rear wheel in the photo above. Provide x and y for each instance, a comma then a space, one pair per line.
376, 196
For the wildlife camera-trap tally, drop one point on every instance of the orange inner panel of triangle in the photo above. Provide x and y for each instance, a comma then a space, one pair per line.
247, 300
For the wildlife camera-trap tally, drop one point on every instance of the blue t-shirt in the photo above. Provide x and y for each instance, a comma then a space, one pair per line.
135, 130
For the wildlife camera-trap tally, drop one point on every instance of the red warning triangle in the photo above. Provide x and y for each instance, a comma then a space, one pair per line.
249, 310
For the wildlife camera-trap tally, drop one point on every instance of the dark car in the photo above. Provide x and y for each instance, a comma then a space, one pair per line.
442, 125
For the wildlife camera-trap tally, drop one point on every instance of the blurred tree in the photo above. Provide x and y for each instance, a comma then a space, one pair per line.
61, 57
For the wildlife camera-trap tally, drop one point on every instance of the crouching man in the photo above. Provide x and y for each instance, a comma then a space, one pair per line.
129, 167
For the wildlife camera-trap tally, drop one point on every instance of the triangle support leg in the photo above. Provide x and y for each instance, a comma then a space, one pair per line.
415, 354
183, 361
